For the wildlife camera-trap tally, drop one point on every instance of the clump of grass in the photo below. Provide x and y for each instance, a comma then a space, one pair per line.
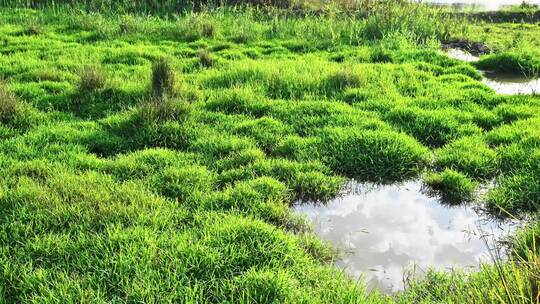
164, 109
524, 62
356, 95
516, 193
32, 30
128, 24
92, 78
194, 27
204, 58
373, 155
526, 240
469, 155
433, 128
98, 26
465, 69
183, 182
380, 54
208, 30
163, 78
453, 186
263, 287
10, 105
14, 113
267, 131
246, 31
345, 78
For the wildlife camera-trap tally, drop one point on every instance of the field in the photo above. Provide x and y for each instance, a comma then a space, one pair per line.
153, 159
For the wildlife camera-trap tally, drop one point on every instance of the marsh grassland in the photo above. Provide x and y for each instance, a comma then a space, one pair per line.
148, 157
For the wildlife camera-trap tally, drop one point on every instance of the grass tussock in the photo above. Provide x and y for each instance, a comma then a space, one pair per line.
520, 63
469, 155
10, 105
163, 78
92, 78
453, 186
360, 154
161, 110
205, 59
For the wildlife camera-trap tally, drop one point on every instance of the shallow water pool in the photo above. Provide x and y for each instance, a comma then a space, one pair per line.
510, 84
462, 55
483, 5
386, 231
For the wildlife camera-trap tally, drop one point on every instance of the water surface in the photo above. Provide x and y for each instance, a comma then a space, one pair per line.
480, 5
510, 84
386, 231
462, 55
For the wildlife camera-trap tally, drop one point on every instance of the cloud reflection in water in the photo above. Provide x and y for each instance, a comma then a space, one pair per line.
387, 229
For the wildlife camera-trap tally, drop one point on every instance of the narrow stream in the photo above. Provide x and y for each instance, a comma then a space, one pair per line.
389, 232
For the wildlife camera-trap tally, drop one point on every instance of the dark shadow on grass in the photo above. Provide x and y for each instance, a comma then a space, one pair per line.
101, 103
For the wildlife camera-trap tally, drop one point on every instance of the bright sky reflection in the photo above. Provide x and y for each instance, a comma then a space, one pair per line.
387, 229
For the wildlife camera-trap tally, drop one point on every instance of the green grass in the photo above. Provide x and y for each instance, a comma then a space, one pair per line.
452, 186
469, 155
92, 79
515, 47
127, 177
512, 63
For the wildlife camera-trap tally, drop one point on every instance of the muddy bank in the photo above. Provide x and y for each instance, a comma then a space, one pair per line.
475, 48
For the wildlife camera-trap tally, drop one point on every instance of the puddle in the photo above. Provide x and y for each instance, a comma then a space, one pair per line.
510, 84
461, 55
479, 5
386, 231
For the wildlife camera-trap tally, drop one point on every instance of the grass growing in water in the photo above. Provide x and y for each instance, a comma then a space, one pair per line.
453, 186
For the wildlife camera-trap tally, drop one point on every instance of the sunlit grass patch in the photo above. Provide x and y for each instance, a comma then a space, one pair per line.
14, 113
517, 190
512, 62
92, 79
524, 131
433, 128
469, 155
453, 186
373, 155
